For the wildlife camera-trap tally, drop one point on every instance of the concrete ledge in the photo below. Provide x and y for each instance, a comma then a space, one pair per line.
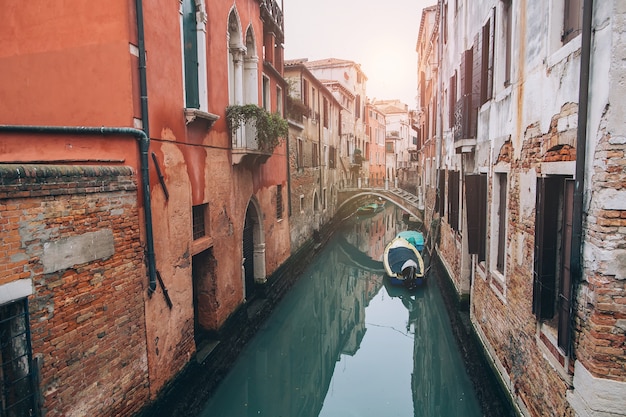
15, 290
595, 397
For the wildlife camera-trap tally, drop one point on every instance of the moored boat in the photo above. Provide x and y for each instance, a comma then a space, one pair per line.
370, 208
403, 261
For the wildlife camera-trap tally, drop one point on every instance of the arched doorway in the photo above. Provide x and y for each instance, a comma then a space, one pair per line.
253, 250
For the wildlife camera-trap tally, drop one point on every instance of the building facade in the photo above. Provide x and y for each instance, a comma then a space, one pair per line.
376, 126
401, 143
138, 217
348, 83
313, 143
530, 193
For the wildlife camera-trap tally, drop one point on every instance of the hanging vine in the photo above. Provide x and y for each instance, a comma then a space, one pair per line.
270, 127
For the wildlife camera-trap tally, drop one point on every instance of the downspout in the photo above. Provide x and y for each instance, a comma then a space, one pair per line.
581, 151
144, 144
143, 85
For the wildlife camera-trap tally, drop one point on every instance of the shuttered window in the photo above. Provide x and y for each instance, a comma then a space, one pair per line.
190, 40
453, 199
440, 202
552, 285
546, 227
572, 19
279, 201
502, 184
476, 204
565, 286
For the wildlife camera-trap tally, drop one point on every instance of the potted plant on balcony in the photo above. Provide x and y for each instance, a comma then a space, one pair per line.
270, 127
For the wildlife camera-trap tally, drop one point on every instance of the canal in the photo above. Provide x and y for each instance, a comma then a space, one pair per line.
343, 342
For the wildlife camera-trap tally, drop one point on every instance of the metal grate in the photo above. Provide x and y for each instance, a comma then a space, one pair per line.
17, 396
199, 227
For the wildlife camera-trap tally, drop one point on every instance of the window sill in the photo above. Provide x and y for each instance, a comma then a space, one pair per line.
201, 244
191, 115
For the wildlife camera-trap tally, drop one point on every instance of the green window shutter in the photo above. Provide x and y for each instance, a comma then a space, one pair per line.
191, 55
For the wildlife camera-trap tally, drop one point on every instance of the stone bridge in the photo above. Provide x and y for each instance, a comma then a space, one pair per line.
401, 198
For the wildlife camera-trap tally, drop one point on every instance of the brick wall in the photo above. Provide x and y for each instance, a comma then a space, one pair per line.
74, 232
503, 311
601, 315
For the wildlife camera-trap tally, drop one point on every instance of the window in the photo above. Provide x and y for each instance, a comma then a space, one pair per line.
452, 102
551, 275
453, 199
301, 203
300, 155
266, 93
332, 154
476, 202
200, 220
279, 201
194, 55
500, 204
305, 92
326, 113
508, 40
486, 87
279, 100
572, 19
17, 374
315, 155
441, 194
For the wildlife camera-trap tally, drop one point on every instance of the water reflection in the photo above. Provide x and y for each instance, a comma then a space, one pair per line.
343, 343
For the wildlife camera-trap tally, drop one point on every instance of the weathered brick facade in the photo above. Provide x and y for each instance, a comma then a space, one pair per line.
74, 233
547, 263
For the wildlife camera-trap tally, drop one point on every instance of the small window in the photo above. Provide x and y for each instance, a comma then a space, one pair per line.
501, 185
279, 100
301, 203
17, 382
453, 199
266, 93
200, 220
279, 201
300, 156
572, 19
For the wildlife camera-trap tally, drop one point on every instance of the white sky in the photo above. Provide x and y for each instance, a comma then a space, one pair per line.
378, 34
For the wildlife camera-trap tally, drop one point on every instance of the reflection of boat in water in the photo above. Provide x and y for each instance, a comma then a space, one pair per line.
403, 261
370, 209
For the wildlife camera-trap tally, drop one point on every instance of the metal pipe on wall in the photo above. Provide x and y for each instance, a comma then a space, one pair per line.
144, 145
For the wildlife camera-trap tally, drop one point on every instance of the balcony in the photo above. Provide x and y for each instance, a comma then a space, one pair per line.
254, 133
272, 17
246, 149
465, 124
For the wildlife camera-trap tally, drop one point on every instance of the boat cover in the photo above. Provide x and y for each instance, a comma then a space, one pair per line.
397, 253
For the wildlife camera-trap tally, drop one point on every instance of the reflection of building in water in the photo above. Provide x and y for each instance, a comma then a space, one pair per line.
324, 319
371, 235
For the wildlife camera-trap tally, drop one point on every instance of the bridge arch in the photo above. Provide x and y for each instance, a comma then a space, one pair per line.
348, 197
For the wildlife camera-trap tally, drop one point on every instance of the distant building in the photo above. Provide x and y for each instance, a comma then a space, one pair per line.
313, 144
400, 142
348, 83
374, 151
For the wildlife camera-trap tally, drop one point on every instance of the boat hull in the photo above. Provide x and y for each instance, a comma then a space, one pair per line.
401, 253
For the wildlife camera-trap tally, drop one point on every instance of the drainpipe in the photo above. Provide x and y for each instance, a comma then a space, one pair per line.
143, 85
144, 144
581, 150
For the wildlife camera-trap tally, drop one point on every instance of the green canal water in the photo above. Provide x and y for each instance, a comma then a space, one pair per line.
343, 343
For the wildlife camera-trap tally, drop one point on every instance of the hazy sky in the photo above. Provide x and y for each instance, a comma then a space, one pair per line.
378, 34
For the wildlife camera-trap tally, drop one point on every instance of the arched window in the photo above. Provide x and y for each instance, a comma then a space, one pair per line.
236, 52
